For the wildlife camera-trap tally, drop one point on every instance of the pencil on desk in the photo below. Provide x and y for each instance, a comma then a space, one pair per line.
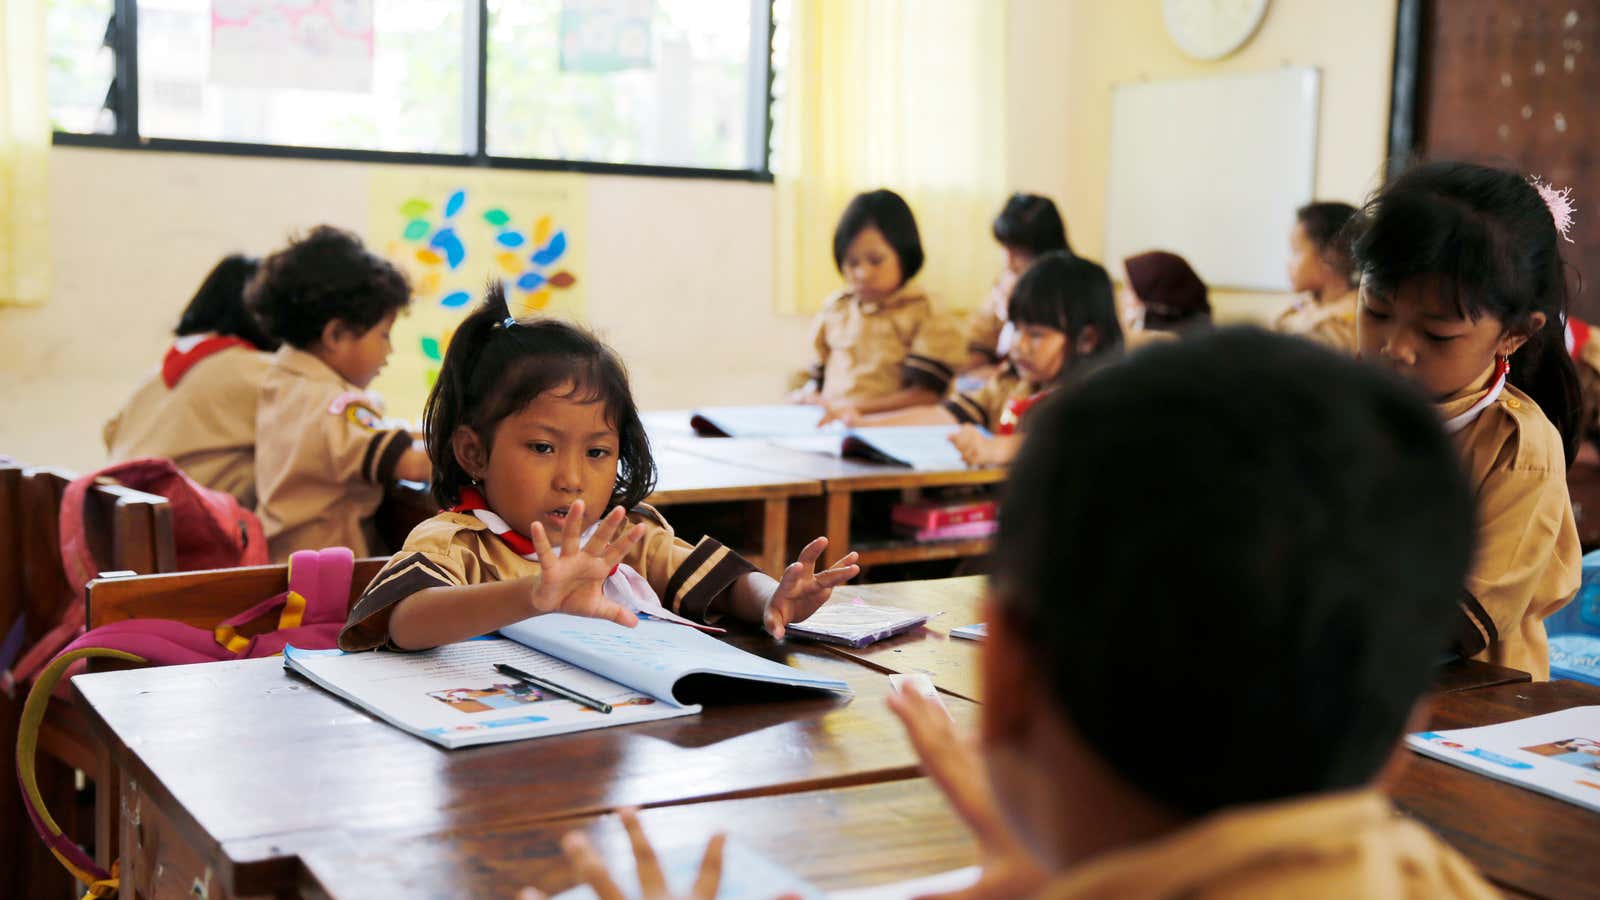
553, 688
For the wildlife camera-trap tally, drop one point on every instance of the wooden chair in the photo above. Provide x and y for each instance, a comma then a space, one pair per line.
16, 836
127, 530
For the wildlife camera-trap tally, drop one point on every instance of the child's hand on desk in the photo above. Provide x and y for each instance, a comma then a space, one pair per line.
840, 411
802, 588
652, 882
979, 449
951, 759
808, 395
573, 582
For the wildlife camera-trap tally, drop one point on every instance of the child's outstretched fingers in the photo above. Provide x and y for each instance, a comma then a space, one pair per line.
582, 857
606, 532
619, 548
652, 883
710, 877
572, 527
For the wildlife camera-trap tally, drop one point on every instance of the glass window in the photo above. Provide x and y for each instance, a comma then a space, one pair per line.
664, 83
353, 74
81, 66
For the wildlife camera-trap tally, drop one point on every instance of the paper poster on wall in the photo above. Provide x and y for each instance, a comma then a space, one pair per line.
452, 232
310, 44
599, 36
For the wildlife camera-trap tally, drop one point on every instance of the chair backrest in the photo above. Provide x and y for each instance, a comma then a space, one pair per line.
45, 589
130, 530
202, 598
11, 596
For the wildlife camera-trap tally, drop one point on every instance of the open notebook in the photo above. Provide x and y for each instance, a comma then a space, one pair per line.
921, 447
1556, 754
453, 696
759, 421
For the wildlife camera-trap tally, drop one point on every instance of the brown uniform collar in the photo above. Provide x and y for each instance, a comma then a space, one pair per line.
303, 362
1461, 401
910, 292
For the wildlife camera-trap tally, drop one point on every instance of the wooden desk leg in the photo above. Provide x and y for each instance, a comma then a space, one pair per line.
107, 808
775, 536
838, 526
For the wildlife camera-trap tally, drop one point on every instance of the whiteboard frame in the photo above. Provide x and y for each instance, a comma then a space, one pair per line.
1300, 134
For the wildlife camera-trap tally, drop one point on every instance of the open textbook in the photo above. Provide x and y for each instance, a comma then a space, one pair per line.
795, 427
453, 696
1556, 754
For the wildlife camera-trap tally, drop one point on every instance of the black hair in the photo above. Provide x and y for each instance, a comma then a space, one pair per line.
888, 212
496, 365
1489, 237
1294, 522
327, 274
218, 306
1030, 222
1068, 293
1324, 224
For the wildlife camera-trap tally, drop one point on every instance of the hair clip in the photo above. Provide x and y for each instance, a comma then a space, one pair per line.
508, 322
1559, 202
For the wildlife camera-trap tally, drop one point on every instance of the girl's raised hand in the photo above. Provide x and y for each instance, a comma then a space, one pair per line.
574, 581
652, 882
802, 588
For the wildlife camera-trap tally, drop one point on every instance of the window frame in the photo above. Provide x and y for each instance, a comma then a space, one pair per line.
124, 35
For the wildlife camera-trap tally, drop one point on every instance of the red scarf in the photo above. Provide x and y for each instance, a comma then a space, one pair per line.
1016, 409
472, 499
177, 362
1578, 334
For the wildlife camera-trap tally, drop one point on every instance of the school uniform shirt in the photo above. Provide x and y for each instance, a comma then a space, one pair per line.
1341, 845
989, 329
1332, 323
323, 455
867, 349
198, 410
1139, 338
993, 405
1528, 563
455, 548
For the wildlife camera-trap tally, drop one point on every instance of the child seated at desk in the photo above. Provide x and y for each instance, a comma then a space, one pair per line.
542, 466
1165, 299
879, 344
1027, 228
1321, 270
323, 451
1191, 686
198, 408
1066, 324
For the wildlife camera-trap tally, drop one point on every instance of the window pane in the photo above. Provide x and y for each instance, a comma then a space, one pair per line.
354, 74
655, 82
81, 67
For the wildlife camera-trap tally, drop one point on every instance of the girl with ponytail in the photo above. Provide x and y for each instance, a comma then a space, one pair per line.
542, 465
1464, 293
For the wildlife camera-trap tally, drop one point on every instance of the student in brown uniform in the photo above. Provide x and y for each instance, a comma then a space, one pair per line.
1191, 687
1027, 227
1164, 299
1463, 292
1066, 323
199, 408
1320, 269
879, 345
323, 452
542, 465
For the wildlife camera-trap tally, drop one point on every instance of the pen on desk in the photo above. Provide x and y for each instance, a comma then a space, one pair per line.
553, 688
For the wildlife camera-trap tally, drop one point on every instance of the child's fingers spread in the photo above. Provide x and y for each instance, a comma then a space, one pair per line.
774, 620
529, 893
619, 548
651, 882
541, 541
813, 551
617, 613
589, 866
836, 576
710, 877
607, 532
572, 528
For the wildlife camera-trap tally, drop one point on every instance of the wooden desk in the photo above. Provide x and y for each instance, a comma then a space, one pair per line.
1469, 674
842, 480
754, 501
230, 770
846, 837
1523, 841
952, 663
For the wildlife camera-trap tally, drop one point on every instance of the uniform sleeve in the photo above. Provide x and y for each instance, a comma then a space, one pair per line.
981, 407
362, 451
108, 432
407, 573
1335, 333
933, 356
985, 324
1525, 534
819, 343
692, 580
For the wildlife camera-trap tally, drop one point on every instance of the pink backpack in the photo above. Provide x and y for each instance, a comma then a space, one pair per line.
310, 615
210, 530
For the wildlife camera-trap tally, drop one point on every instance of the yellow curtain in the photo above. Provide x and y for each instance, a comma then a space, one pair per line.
24, 154
903, 94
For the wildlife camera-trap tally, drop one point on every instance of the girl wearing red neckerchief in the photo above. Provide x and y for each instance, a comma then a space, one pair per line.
542, 465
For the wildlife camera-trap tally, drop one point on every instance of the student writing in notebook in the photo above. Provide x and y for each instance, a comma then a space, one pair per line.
1463, 292
198, 408
879, 344
323, 451
1065, 321
1191, 688
542, 466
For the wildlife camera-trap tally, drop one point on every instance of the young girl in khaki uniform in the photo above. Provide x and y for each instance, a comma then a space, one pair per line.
1463, 293
542, 466
879, 344
323, 451
198, 408
1320, 269
1065, 318
1027, 227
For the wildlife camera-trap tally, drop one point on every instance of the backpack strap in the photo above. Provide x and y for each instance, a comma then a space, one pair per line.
319, 587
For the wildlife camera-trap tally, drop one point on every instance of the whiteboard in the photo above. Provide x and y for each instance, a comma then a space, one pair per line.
1213, 169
